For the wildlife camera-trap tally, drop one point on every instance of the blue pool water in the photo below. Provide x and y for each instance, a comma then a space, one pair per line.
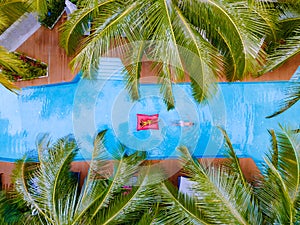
84, 107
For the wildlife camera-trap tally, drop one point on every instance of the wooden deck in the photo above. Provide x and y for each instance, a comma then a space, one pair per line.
44, 45
171, 167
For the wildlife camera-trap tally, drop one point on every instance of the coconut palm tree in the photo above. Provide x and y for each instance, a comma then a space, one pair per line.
278, 191
202, 38
54, 196
223, 196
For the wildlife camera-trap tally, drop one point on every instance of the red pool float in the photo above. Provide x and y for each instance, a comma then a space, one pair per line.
146, 122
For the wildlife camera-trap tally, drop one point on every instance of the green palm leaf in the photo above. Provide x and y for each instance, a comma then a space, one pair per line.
292, 98
286, 44
126, 167
72, 29
166, 51
165, 81
234, 163
130, 207
40, 6
235, 30
149, 216
102, 198
177, 208
53, 177
133, 68
13, 209
226, 37
274, 153
282, 53
106, 30
280, 190
220, 196
10, 11
202, 61
93, 187
21, 176
52, 193
289, 161
49, 189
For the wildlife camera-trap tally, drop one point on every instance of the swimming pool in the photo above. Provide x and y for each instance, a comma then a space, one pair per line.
83, 107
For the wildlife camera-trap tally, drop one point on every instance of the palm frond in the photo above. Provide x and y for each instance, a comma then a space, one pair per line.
125, 168
103, 193
40, 6
289, 160
220, 195
280, 190
169, 32
13, 209
51, 192
66, 206
95, 183
233, 28
201, 60
10, 11
292, 98
133, 68
43, 187
285, 51
165, 80
131, 206
106, 30
54, 174
149, 216
268, 12
71, 31
177, 208
159, 23
21, 179
275, 199
226, 36
234, 163
274, 154
286, 46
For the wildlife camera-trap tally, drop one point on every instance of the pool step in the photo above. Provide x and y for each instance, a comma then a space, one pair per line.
111, 68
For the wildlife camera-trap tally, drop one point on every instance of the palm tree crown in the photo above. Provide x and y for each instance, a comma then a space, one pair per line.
227, 38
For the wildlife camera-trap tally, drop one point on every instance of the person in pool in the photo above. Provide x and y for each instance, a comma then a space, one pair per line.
182, 123
148, 122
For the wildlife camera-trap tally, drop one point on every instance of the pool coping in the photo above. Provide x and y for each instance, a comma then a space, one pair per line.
78, 77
